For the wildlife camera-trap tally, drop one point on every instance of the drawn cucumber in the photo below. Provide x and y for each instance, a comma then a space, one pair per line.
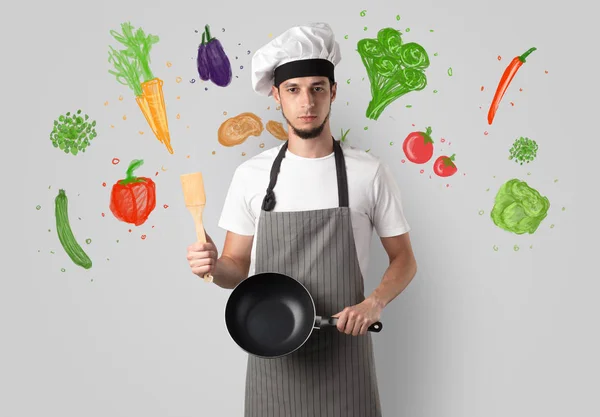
65, 234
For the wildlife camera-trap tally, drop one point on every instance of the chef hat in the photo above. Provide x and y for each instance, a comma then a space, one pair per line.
301, 51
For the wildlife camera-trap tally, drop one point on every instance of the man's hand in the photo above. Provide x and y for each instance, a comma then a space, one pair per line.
202, 257
355, 320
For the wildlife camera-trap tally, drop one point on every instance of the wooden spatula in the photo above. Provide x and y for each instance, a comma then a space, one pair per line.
195, 200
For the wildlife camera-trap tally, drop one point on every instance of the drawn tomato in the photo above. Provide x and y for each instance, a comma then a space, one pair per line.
132, 199
418, 146
444, 166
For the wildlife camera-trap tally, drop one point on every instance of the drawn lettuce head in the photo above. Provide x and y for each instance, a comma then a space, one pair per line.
519, 208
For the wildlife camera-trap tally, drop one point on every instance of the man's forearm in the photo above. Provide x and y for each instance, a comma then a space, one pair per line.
395, 279
228, 273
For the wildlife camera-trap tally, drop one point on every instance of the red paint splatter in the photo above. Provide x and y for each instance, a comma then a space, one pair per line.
115, 161
422, 171
546, 71
129, 230
442, 140
153, 226
499, 57
102, 214
156, 173
520, 89
485, 133
403, 161
413, 124
512, 104
104, 184
143, 237
447, 185
166, 206
481, 88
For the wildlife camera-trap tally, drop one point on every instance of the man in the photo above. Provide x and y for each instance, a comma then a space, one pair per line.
321, 204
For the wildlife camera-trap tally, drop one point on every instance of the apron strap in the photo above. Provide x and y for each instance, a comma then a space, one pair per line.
269, 200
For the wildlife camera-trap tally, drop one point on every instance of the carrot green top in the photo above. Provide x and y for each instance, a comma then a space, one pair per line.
133, 62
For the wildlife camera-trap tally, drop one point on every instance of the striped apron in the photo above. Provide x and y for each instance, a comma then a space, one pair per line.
332, 374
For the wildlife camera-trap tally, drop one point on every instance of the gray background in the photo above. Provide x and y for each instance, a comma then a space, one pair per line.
478, 332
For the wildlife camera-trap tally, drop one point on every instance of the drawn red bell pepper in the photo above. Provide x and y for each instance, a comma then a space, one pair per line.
132, 199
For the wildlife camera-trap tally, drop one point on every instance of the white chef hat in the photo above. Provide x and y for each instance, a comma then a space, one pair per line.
301, 51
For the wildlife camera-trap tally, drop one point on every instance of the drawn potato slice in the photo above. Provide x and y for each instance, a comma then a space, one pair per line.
277, 130
235, 130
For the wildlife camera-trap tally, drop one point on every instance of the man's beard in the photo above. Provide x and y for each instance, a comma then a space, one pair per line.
308, 133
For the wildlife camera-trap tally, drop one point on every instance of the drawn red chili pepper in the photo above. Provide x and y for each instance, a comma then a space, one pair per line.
444, 166
507, 76
132, 199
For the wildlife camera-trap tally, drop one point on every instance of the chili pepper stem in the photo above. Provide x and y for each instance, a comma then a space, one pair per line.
207, 31
526, 54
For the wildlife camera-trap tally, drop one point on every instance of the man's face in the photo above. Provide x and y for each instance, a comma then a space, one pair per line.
306, 104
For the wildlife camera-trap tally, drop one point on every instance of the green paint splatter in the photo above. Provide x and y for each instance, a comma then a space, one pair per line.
551, 226
88, 241
363, 13
348, 80
407, 29
481, 212
408, 106
431, 30
38, 207
117, 240
346, 37
52, 252
397, 17
62, 269
436, 54
391, 143
516, 248
435, 91
564, 208
365, 29
519, 208
450, 72
366, 128
495, 248
487, 189
556, 180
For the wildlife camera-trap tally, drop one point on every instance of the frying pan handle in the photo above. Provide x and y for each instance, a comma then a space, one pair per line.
332, 322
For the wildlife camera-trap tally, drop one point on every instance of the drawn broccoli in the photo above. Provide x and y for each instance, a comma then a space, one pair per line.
72, 132
394, 68
519, 208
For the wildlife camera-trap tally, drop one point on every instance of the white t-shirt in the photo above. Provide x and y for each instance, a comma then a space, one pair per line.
310, 184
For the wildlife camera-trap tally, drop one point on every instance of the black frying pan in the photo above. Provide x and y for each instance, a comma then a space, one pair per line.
271, 315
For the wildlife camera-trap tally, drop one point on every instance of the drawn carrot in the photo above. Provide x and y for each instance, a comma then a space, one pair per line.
507, 76
132, 67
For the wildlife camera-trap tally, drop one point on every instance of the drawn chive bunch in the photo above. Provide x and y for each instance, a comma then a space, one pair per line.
72, 133
523, 150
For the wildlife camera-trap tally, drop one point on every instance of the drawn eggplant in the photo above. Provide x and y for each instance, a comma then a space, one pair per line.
212, 61
201, 61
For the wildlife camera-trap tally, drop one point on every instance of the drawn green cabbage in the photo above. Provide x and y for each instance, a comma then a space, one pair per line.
519, 208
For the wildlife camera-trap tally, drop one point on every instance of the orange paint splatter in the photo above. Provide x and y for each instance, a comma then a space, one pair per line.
481, 88
124, 117
178, 79
120, 98
112, 126
141, 132
115, 161
499, 57
169, 64
178, 116
188, 157
106, 103
188, 126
